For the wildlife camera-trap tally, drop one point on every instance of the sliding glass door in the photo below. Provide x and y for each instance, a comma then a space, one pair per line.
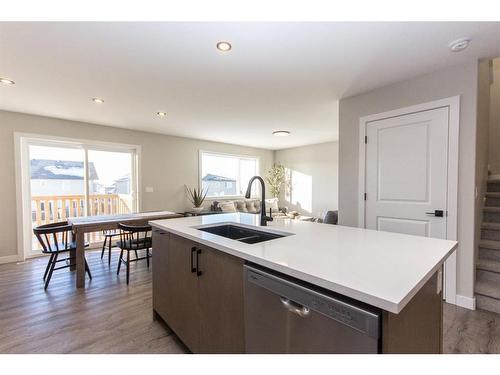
69, 179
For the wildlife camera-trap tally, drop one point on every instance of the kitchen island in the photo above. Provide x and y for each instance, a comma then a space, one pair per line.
200, 281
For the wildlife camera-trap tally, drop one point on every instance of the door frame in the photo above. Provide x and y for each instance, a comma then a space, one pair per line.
453, 105
22, 178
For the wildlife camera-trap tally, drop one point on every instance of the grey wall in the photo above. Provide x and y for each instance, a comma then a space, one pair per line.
167, 163
494, 138
320, 163
458, 80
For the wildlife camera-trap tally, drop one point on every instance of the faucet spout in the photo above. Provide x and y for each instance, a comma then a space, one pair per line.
263, 218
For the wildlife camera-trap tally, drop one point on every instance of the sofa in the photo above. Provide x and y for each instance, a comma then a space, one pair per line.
252, 206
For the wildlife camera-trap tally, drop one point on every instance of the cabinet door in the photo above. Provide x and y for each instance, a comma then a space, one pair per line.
160, 261
181, 292
220, 290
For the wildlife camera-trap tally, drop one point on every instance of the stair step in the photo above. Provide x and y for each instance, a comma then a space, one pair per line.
487, 303
488, 244
490, 226
492, 209
488, 288
490, 254
490, 231
493, 194
492, 201
482, 275
491, 214
488, 265
493, 186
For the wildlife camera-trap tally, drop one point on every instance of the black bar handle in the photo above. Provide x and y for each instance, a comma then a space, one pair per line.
193, 267
437, 213
198, 272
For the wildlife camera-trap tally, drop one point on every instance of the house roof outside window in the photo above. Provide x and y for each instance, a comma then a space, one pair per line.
44, 169
213, 177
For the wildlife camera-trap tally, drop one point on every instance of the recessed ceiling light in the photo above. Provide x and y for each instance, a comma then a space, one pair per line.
6, 81
281, 133
161, 114
224, 46
459, 44
98, 100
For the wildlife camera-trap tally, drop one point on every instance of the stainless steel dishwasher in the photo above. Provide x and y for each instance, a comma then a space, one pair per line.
286, 316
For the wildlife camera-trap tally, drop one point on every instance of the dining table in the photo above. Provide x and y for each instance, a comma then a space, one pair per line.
88, 224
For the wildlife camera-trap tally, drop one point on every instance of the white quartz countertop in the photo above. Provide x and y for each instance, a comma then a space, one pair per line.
379, 268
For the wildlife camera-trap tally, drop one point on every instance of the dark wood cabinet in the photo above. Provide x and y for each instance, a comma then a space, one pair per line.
160, 248
180, 291
418, 329
198, 292
222, 327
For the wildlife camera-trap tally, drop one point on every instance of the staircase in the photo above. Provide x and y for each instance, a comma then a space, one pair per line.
488, 264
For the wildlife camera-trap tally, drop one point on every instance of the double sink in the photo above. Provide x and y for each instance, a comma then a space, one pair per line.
242, 234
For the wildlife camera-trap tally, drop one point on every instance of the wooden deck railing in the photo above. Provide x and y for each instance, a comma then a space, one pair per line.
52, 208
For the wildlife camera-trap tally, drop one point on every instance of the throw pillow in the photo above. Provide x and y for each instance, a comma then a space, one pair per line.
252, 206
272, 203
227, 206
241, 206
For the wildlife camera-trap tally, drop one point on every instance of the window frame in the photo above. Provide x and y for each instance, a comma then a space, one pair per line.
224, 154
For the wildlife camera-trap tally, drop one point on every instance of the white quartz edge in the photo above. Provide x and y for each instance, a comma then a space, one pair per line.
185, 227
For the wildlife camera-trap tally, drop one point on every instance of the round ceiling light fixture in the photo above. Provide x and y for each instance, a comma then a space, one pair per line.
6, 81
459, 44
224, 46
281, 133
98, 100
161, 114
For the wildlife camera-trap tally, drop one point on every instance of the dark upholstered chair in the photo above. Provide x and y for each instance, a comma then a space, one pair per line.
331, 217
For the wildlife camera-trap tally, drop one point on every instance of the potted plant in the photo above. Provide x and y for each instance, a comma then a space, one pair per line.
196, 197
275, 179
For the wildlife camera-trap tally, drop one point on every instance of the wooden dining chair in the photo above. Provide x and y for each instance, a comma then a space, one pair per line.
108, 242
57, 239
133, 238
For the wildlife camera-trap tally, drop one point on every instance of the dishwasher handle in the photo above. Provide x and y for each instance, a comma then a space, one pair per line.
295, 308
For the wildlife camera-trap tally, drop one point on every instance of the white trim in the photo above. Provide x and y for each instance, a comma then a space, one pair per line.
467, 302
23, 206
9, 259
21, 144
453, 104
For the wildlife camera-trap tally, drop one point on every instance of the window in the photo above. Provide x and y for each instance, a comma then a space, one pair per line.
227, 175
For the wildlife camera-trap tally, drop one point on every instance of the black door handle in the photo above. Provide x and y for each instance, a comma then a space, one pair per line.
198, 272
437, 213
193, 251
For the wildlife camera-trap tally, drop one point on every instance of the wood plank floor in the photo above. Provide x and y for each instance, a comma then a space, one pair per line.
470, 331
111, 317
107, 317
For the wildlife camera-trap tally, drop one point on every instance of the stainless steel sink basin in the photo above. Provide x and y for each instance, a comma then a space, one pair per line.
242, 234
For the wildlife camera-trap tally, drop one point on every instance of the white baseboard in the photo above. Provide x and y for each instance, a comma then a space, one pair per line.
467, 302
9, 259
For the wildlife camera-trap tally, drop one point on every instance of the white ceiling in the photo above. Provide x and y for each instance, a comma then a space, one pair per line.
278, 75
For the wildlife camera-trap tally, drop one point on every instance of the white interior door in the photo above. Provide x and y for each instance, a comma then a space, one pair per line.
406, 173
